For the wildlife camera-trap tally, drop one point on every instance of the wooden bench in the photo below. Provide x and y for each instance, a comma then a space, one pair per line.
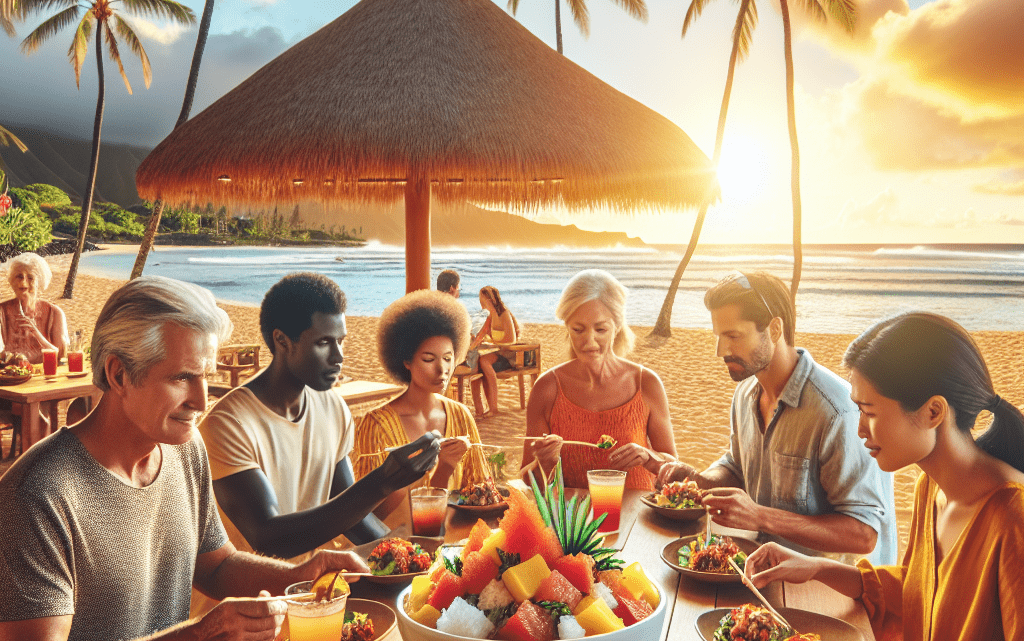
525, 363
238, 362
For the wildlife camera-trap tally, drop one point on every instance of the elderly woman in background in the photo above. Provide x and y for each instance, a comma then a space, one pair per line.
420, 338
29, 324
598, 392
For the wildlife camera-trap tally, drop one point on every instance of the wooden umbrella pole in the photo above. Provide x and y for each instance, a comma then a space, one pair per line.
417, 233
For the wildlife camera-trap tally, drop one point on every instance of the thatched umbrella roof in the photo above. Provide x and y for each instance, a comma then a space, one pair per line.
454, 94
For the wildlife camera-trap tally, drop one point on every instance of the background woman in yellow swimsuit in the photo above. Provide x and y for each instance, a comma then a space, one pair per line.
500, 328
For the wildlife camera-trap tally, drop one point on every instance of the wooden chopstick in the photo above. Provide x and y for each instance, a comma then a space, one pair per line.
768, 606
537, 438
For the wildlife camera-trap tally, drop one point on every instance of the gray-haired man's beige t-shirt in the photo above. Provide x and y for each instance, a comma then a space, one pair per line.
75, 539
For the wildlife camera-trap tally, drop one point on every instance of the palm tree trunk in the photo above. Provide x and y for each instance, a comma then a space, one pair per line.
663, 326
90, 185
798, 252
558, 25
186, 108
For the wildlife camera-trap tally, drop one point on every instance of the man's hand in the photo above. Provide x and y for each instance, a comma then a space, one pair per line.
674, 471
243, 620
406, 464
324, 561
732, 507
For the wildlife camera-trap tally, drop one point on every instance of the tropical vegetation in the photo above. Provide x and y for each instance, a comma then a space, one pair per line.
103, 16
581, 15
742, 35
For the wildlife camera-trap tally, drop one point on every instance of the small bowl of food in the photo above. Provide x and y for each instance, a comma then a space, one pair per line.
479, 498
708, 561
678, 500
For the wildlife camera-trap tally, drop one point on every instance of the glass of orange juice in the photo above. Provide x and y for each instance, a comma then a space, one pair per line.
606, 487
428, 506
310, 620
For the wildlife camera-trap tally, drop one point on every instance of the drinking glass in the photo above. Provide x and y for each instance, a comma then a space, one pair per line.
428, 506
606, 487
49, 362
76, 359
310, 620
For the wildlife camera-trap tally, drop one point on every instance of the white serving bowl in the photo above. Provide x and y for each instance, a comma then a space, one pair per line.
649, 628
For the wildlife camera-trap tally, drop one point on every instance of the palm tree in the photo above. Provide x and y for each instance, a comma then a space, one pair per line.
581, 15
746, 21
186, 108
100, 15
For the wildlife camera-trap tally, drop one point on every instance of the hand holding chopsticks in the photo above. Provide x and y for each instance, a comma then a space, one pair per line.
764, 601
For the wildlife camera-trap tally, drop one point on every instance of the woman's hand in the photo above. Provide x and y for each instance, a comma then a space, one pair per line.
628, 455
452, 451
772, 562
546, 451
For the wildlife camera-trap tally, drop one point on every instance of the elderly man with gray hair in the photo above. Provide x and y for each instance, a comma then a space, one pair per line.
110, 522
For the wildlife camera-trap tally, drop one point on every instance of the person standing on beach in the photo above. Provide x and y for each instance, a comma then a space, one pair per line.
795, 470
279, 444
108, 523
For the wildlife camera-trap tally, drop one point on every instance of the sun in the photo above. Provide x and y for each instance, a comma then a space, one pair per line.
743, 170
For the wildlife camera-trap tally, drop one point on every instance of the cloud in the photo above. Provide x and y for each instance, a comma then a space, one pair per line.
1009, 183
971, 219
39, 90
164, 34
881, 209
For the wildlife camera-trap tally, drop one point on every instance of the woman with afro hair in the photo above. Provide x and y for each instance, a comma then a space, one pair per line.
420, 339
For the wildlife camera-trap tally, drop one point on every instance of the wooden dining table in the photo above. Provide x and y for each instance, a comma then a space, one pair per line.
44, 393
642, 536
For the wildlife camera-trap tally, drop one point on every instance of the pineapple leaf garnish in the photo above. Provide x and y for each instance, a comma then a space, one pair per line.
569, 520
555, 607
454, 565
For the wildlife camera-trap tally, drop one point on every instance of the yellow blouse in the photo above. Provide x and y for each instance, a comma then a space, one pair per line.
382, 428
976, 592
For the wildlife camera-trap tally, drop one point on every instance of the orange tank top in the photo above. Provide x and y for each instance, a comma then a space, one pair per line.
626, 423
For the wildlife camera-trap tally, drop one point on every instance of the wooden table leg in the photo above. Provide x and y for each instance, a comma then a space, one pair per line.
53, 408
31, 426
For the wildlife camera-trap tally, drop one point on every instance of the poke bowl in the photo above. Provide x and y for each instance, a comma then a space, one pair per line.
671, 556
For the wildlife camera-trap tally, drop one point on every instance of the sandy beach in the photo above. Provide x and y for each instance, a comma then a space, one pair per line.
698, 385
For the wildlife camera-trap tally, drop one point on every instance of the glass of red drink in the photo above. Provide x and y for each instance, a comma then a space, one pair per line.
49, 362
428, 506
606, 487
76, 362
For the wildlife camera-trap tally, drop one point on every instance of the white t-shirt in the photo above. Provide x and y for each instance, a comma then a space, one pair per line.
298, 457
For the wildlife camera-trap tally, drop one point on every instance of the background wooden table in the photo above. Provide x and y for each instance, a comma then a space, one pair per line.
44, 393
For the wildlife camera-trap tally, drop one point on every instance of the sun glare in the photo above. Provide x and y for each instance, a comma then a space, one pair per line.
743, 170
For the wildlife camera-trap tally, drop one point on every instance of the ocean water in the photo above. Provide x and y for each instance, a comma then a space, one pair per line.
843, 288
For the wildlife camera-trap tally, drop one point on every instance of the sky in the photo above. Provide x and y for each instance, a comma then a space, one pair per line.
911, 128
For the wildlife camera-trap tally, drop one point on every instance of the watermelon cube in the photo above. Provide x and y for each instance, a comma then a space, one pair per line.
578, 569
529, 623
448, 587
477, 536
477, 571
631, 610
557, 588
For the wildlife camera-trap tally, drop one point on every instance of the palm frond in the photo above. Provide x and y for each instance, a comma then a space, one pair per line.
49, 27
815, 10
844, 12
115, 54
161, 9
7, 137
7, 26
513, 6
580, 15
692, 13
125, 31
635, 8
80, 45
743, 32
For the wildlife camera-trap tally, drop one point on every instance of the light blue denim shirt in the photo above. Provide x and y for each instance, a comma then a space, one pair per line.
809, 460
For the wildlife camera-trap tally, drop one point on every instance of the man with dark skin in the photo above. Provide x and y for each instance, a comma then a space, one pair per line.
279, 444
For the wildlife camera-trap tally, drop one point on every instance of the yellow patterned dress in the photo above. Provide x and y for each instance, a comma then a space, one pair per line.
382, 428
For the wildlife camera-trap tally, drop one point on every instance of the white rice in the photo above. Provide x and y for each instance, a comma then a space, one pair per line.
462, 619
569, 628
602, 590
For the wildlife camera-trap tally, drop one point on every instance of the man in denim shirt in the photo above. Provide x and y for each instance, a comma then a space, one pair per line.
795, 469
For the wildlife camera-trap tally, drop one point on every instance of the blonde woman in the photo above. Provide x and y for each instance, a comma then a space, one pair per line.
598, 392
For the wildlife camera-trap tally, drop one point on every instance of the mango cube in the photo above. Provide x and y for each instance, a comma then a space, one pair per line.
594, 615
637, 583
523, 580
491, 545
421, 587
427, 615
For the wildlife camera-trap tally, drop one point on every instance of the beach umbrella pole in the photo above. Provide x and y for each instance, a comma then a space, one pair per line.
417, 234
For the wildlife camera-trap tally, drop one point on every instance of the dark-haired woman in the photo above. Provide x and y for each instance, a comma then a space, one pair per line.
920, 383
420, 339
500, 328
